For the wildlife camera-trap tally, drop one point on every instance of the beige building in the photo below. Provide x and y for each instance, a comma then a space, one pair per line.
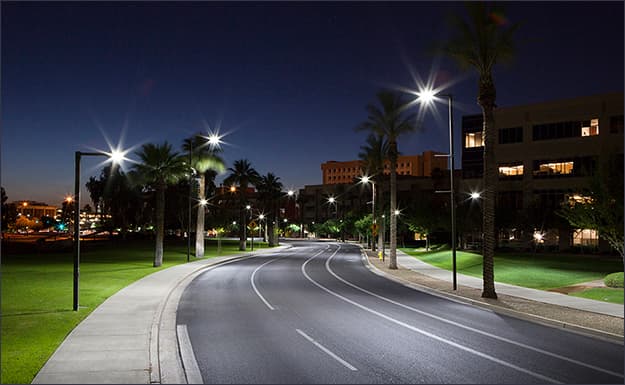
546, 152
334, 172
34, 209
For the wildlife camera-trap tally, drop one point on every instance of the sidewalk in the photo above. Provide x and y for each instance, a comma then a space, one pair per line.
122, 341
600, 307
131, 337
556, 309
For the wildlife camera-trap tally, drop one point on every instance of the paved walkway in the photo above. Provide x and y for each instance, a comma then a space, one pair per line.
559, 299
131, 338
119, 342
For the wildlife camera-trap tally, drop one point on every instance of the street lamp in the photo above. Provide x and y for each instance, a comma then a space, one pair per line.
332, 201
248, 208
261, 217
114, 156
427, 96
366, 180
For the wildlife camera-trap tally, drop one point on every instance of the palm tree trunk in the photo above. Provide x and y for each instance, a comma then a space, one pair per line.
392, 261
160, 224
486, 100
199, 227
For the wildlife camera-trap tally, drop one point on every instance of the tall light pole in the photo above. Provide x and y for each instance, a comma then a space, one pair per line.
427, 96
189, 203
247, 207
115, 157
366, 179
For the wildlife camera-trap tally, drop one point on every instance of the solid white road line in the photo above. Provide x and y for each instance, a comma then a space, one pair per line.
191, 370
423, 332
327, 351
254, 285
520, 344
266, 263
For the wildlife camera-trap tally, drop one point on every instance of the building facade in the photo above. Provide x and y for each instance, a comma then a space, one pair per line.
334, 172
33, 209
546, 153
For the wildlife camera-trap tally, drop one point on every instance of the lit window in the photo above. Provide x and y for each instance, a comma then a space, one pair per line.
510, 170
559, 168
590, 128
585, 237
473, 139
577, 198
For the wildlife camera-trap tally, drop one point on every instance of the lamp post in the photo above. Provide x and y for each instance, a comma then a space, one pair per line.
383, 235
189, 203
260, 227
248, 207
427, 96
365, 179
115, 157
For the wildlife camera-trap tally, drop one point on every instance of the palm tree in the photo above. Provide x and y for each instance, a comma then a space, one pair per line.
243, 174
390, 122
206, 162
374, 153
479, 43
159, 167
270, 191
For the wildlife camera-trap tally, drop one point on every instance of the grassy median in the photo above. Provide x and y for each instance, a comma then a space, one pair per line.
541, 271
37, 294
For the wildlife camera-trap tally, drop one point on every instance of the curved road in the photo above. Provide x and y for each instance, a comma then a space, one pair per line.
315, 314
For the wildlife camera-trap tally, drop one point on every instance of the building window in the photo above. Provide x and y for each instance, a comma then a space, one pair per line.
510, 170
473, 139
553, 168
511, 135
590, 127
570, 129
585, 237
616, 124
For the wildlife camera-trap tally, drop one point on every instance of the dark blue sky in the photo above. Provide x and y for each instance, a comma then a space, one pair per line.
289, 81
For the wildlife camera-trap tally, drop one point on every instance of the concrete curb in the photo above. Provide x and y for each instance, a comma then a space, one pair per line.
610, 337
166, 359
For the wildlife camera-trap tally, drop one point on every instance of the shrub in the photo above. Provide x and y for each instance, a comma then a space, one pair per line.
614, 280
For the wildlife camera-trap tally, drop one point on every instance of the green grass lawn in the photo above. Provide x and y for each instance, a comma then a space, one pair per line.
539, 271
37, 294
607, 294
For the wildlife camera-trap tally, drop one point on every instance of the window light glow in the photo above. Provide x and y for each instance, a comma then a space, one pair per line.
511, 170
473, 139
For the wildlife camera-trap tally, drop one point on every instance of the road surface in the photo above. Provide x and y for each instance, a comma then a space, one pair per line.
315, 314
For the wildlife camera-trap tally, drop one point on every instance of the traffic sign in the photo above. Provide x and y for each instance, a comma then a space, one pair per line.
252, 224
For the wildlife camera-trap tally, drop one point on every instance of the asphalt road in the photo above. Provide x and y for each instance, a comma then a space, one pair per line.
315, 314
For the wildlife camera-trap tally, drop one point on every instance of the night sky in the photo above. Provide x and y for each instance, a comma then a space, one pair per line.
287, 81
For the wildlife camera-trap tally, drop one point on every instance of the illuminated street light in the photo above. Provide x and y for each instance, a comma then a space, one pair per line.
290, 193
397, 212
203, 202
427, 96
248, 207
366, 180
475, 195
78, 155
